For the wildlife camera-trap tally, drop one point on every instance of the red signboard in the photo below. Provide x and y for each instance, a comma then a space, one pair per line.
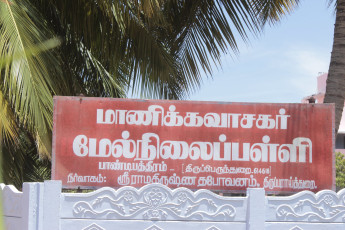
200, 145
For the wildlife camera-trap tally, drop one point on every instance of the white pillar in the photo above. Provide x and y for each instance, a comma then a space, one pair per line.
51, 205
31, 205
256, 209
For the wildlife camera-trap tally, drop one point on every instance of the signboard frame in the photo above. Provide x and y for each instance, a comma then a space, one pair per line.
81, 99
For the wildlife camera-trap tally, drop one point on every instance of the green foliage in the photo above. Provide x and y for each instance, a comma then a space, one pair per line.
340, 170
155, 48
272, 11
23, 164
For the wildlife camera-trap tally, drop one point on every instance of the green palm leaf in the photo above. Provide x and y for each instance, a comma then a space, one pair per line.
271, 11
21, 163
26, 81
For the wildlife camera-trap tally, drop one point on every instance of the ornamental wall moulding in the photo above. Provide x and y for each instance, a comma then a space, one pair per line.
153, 202
93, 227
296, 228
154, 227
325, 206
213, 228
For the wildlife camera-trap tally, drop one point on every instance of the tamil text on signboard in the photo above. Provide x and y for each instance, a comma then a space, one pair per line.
209, 145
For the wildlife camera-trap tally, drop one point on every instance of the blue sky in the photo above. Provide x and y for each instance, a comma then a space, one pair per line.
279, 66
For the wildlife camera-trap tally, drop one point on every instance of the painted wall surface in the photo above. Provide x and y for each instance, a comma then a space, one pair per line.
210, 145
42, 206
319, 97
321, 85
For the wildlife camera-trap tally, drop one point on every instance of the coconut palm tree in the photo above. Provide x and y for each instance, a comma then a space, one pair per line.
271, 11
335, 89
157, 49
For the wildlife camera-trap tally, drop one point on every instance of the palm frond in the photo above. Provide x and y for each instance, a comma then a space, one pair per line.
27, 82
8, 124
31, 51
201, 31
21, 163
333, 3
103, 83
194, 34
271, 11
118, 35
151, 63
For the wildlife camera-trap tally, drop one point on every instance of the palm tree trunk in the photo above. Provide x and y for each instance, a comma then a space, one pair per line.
335, 89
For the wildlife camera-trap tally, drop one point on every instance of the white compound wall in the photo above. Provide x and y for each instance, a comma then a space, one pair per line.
42, 206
